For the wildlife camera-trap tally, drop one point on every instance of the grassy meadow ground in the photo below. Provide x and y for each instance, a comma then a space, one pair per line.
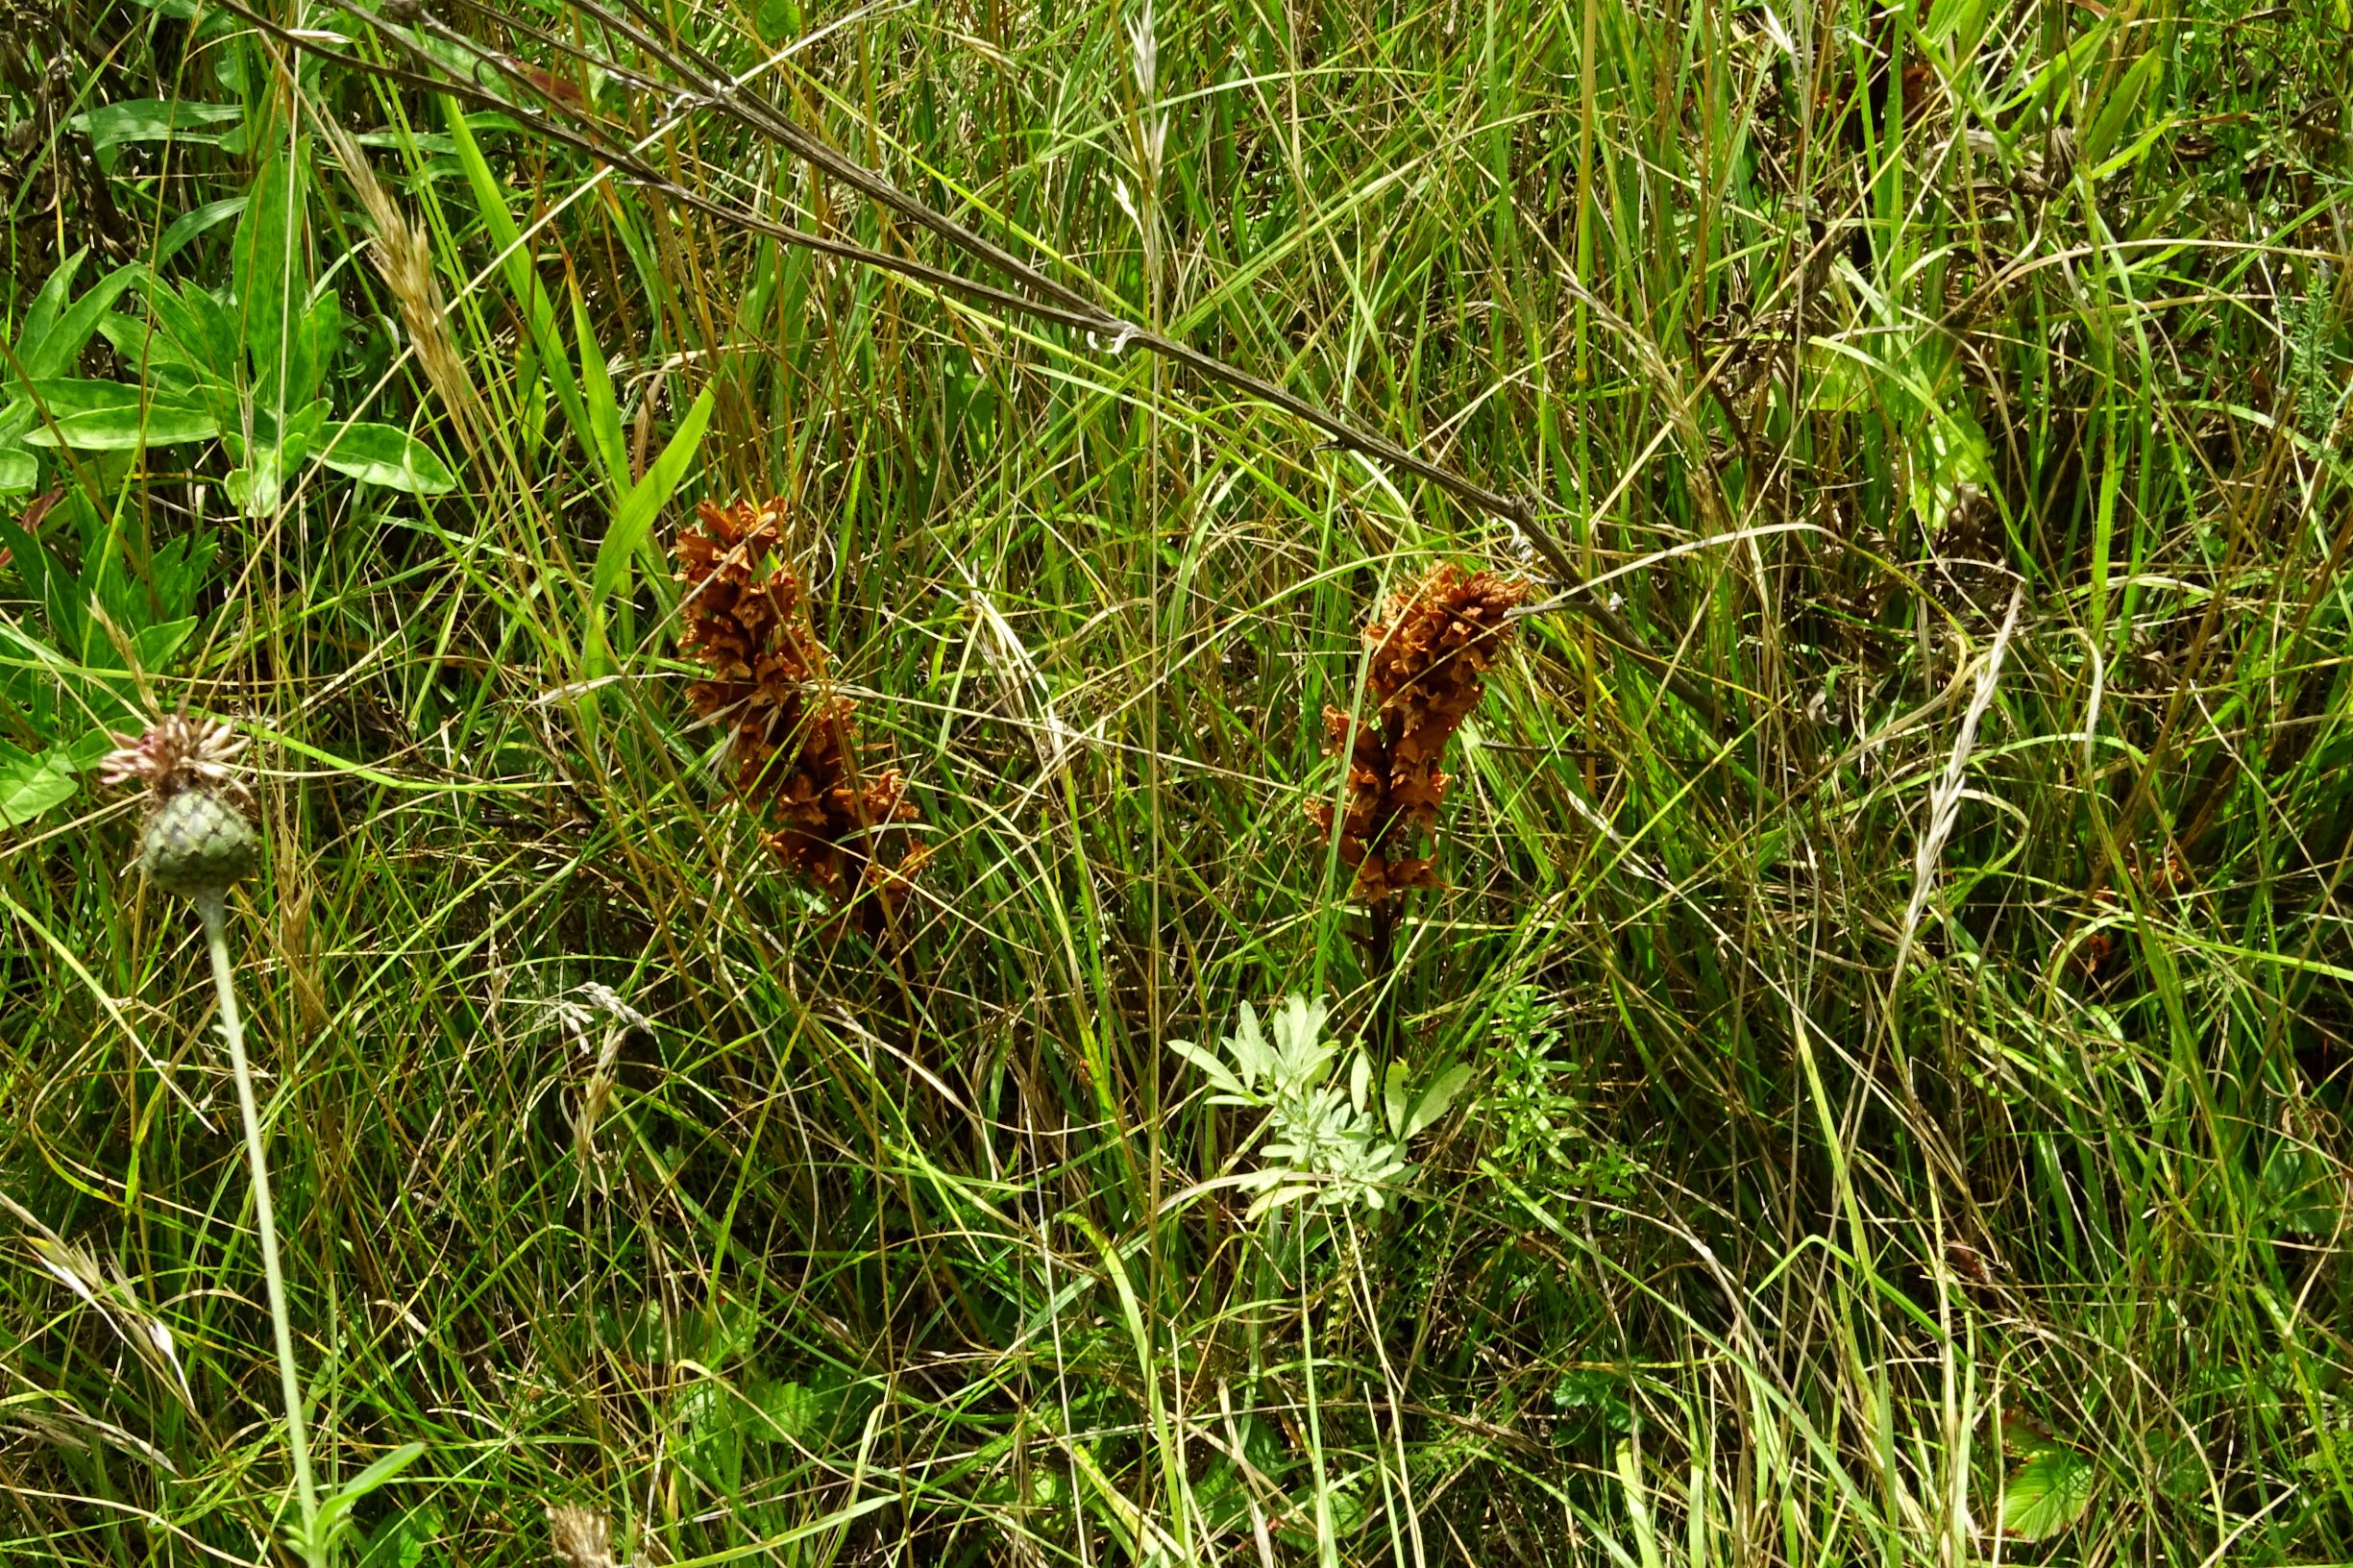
1893, 919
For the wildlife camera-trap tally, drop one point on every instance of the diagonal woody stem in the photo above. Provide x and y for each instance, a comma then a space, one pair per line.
1034, 293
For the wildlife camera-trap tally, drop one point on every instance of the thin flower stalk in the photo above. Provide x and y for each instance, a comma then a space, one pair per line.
197, 841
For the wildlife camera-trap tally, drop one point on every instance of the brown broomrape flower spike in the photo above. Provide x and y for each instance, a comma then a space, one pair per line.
196, 841
794, 746
1430, 660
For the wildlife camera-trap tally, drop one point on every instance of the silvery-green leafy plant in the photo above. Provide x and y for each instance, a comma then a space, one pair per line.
1326, 1144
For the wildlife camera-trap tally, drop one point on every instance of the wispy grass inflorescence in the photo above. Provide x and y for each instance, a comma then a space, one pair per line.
579, 1537
793, 743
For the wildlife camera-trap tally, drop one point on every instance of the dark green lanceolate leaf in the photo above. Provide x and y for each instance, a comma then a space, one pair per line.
54, 331
2120, 108
188, 225
154, 119
199, 327
108, 416
271, 273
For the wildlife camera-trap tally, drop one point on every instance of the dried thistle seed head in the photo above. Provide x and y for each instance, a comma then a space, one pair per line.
197, 844
580, 1537
178, 753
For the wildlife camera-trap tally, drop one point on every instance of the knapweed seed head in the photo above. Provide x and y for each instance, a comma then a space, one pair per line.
177, 754
196, 841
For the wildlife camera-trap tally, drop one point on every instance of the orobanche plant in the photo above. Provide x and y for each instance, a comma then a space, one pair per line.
1325, 1145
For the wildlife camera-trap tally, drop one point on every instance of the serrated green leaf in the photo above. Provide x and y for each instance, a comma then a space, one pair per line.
30, 785
1434, 1099
2047, 1494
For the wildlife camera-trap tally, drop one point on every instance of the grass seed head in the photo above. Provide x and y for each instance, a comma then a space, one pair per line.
579, 1537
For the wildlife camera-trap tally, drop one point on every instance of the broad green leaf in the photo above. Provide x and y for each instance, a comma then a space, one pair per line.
146, 352
153, 119
200, 327
2052, 79
308, 350
379, 454
1962, 24
2301, 1190
63, 337
2120, 107
32, 785
19, 471
1436, 1100
156, 645
1396, 1097
633, 522
788, 1411
42, 313
2141, 144
254, 485
270, 275
401, 1543
2047, 1494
